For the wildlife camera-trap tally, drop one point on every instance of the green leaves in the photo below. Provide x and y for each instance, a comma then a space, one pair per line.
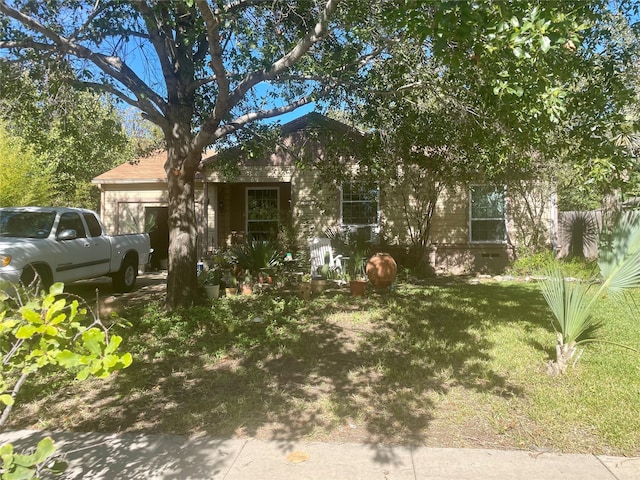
619, 258
92, 340
18, 169
570, 306
99, 359
26, 467
545, 43
54, 330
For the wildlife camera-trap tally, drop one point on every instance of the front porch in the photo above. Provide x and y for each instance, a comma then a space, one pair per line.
245, 211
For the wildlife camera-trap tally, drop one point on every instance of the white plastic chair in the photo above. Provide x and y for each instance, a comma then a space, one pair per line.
321, 253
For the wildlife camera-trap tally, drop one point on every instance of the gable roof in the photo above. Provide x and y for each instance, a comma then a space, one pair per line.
314, 120
144, 170
281, 154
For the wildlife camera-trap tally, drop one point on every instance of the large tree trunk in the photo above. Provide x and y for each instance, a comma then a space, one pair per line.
181, 168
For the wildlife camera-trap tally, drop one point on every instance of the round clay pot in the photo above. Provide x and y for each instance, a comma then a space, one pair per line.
381, 270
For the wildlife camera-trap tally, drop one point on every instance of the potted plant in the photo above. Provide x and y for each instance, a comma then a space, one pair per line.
258, 255
319, 280
230, 283
210, 279
247, 283
355, 269
381, 270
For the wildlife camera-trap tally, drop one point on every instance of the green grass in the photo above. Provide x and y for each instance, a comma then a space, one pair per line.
448, 365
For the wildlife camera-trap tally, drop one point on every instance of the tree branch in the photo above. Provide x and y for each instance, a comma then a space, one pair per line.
14, 393
212, 23
242, 120
147, 108
111, 65
96, 11
290, 58
162, 41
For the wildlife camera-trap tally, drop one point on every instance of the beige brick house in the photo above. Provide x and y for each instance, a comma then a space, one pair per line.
474, 228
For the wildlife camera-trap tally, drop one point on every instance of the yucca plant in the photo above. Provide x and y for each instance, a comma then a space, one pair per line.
256, 255
571, 301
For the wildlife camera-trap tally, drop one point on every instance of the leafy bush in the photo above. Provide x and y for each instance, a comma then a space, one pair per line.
541, 262
211, 276
532, 264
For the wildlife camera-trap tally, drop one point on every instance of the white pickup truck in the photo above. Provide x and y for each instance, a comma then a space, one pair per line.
64, 245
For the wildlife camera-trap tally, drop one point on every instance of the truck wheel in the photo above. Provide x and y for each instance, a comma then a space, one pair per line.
32, 275
125, 278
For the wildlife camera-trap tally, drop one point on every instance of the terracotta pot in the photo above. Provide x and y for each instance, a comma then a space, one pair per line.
230, 291
381, 270
357, 287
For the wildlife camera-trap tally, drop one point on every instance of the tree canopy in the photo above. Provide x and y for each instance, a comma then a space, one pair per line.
203, 70
23, 181
522, 84
74, 135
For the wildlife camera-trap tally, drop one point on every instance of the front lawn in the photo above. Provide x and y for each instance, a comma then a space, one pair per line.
441, 365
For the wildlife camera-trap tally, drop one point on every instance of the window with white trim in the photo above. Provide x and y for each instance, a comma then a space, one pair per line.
360, 204
262, 213
487, 222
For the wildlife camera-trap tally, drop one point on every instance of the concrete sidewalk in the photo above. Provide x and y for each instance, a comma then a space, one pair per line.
131, 456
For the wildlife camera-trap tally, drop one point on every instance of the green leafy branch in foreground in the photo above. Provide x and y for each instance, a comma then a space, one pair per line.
571, 301
38, 331
16, 466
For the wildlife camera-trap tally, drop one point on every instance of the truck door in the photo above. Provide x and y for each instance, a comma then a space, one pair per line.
100, 244
78, 257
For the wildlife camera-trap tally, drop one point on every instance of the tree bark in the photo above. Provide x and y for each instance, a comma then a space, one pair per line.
181, 167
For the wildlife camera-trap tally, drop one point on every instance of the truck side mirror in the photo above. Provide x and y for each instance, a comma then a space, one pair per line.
67, 234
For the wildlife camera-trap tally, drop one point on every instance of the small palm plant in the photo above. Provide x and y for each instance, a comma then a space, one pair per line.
572, 302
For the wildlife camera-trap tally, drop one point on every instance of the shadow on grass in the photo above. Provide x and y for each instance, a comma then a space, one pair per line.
273, 363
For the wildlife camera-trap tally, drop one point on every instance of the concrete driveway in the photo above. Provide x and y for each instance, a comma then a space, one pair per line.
150, 286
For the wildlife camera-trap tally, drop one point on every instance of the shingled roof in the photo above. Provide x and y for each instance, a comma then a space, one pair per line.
144, 170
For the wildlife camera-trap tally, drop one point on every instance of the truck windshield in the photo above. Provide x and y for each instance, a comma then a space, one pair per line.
21, 224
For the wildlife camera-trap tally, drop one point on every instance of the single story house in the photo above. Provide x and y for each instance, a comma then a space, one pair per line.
243, 197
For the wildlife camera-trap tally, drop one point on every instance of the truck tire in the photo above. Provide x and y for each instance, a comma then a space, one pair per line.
34, 275
125, 279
